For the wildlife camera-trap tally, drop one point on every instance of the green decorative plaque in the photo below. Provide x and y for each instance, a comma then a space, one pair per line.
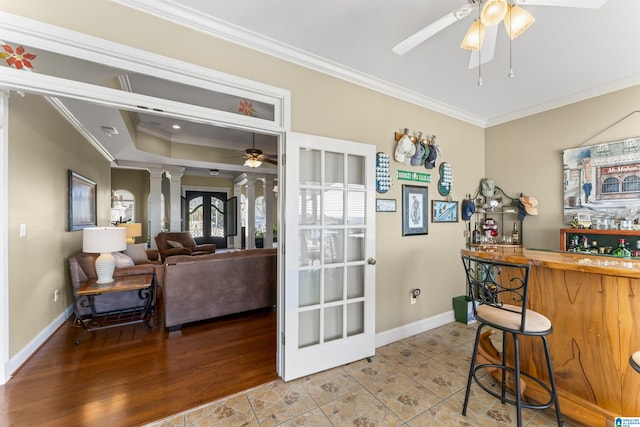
414, 176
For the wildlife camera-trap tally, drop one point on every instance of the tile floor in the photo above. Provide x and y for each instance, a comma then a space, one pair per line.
418, 381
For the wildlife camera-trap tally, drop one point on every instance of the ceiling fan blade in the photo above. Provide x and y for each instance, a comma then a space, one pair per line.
430, 30
488, 48
273, 162
583, 4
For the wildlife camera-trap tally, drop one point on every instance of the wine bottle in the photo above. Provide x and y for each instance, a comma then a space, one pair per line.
476, 235
515, 235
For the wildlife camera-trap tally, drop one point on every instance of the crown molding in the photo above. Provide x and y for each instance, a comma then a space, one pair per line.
192, 19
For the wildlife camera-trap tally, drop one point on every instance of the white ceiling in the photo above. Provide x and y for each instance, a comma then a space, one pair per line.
569, 54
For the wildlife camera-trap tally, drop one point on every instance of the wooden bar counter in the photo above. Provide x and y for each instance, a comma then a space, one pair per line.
593, 303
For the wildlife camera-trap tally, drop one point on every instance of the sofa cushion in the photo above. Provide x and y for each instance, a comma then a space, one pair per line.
137, 252
123, 260
175, 244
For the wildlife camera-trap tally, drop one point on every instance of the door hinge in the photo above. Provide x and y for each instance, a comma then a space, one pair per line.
282, 337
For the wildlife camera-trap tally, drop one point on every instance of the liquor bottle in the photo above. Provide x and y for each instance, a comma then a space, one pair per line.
621, 251
475, 237
515, 235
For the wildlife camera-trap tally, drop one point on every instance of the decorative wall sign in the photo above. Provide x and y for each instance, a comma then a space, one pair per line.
415, 210
414, 176
444, 211
383, 176
385, 205
604, 181
446, 179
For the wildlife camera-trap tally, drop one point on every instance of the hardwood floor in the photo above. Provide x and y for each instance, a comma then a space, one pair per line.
128, 376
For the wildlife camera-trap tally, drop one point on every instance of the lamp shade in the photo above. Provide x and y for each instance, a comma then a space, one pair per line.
517, 21
493, 12
104, 239
252, 163
134, 229
474, 37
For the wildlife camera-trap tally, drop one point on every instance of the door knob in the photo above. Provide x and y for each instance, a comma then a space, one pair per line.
372, 261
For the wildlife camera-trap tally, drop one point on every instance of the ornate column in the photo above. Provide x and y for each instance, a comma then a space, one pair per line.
251, 212
268, 211
155, 211
175, 174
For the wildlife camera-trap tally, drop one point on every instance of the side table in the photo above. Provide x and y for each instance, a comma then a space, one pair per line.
87, 294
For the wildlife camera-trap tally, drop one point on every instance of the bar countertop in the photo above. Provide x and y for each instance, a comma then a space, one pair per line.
572, 261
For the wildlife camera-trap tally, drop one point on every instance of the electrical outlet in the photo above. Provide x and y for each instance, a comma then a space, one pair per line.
56, 294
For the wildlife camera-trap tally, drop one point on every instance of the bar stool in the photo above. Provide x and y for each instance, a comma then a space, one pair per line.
493, 283
634, 361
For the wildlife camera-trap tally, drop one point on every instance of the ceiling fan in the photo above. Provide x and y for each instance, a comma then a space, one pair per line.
481, 36
254, 156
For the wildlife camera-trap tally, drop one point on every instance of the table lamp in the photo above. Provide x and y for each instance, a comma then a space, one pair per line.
104, 240
134, 229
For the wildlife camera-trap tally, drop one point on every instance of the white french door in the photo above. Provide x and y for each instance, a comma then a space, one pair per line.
329, 253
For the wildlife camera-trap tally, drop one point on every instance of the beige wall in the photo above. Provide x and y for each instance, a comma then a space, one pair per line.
526, 155
325, 106
42, 148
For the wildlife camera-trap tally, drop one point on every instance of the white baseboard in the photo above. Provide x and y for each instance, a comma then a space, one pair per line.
12, 365
405, 331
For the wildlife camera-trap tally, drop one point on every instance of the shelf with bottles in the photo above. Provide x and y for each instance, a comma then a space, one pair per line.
603, 242
496, 219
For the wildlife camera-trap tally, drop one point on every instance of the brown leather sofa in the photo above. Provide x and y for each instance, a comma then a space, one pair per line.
208, 286
82, 269
180, 243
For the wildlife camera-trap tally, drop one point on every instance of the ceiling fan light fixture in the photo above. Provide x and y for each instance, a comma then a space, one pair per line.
493, 12
517, 21
474, 37
252, 163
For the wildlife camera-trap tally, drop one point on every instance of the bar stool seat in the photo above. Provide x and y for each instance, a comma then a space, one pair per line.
634, 360
492, 283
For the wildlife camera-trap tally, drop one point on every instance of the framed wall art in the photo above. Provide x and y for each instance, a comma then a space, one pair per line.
444, 211
415, 212
385, 205
82, 202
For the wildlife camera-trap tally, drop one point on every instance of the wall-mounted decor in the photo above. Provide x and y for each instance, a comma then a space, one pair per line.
415, 211
383, 176
604, 181
446, 179
82, 202
385, 205
414, 176
444, 211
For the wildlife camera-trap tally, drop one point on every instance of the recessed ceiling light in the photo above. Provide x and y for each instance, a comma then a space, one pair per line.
176, 127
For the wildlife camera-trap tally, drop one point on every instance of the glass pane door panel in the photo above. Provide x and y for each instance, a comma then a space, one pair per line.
356, 207
334, 169
333, 323
309, 168
355, 318
309, 207
309, 249
333, 246
356, 245
308, 328
356, 169
309, 288
355, 281
333, 284
334, 207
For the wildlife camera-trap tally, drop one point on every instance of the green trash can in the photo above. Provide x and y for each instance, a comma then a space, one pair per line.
463, 309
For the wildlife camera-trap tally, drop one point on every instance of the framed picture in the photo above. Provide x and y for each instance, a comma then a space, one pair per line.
385, 205
82, 202
444, 211
415, 210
